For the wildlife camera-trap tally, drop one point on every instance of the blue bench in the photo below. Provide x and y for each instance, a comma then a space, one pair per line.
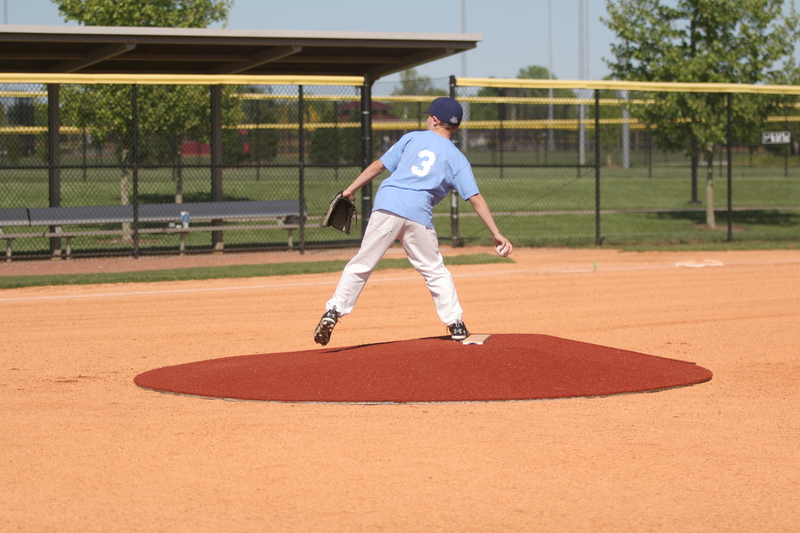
280, 214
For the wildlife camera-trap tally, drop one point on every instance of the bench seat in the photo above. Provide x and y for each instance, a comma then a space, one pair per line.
284, 215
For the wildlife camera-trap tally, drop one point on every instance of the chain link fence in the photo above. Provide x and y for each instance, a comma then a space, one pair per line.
576, 167
150, 169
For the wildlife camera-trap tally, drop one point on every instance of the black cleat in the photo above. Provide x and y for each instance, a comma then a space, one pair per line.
458, 331
322, 335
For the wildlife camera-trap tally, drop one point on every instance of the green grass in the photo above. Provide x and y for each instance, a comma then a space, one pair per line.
781, 227
533, 206
712, 247
237, 271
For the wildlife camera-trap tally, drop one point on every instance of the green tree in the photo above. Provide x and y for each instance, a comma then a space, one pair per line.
167, 114
339, 144
413, 84
709, 41
325, 142
152, 13
21, 113
260, 111
557, 104
611, 132
536, 111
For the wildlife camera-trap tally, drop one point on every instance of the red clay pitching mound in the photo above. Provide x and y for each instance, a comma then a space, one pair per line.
506, 367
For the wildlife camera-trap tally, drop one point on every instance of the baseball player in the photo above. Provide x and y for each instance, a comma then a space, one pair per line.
425, 166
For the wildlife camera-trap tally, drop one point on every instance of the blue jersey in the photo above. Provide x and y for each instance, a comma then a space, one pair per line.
425, 167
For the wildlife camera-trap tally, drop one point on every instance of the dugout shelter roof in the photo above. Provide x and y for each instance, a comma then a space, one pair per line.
124, 50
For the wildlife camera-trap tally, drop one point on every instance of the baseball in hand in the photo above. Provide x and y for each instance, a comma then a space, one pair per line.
502, 250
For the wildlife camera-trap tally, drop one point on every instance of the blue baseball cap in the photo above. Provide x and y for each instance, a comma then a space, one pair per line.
447, 110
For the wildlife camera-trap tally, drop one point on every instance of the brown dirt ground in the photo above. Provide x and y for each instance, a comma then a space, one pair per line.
83, 449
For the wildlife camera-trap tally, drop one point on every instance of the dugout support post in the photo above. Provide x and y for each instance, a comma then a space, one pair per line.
216, 160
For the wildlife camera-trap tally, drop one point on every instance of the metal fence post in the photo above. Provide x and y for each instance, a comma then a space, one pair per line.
786, 149
501, 113
695, 163
366, 149
730, 167
54, 157
216, 160
135, 164
455, 241
301, 143
598, 239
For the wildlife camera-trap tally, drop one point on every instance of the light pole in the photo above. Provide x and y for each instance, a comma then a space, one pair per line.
550, 138
464, 30
464, 133
626, 127
581, 75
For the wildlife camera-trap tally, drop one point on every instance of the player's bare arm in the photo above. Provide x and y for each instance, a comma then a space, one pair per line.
368, 174
482, 209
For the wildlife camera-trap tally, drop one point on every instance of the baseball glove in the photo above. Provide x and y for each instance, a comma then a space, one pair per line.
340, 215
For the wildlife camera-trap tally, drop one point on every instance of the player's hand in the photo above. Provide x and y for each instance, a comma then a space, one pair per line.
503, 246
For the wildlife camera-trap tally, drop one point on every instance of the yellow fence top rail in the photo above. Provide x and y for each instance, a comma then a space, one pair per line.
407, 125
315, 97
355, 81
509, 83
23, 94
180, 79
628, 86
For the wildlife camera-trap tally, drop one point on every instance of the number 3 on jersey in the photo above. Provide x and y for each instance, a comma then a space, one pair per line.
428, 159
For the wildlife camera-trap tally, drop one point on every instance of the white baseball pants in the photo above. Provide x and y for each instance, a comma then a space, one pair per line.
422, 248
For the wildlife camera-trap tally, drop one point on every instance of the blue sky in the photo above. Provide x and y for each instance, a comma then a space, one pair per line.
515, 32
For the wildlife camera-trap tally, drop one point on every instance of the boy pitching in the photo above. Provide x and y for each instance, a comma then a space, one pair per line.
425, 166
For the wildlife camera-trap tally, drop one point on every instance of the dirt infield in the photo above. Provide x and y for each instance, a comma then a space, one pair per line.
83, 449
